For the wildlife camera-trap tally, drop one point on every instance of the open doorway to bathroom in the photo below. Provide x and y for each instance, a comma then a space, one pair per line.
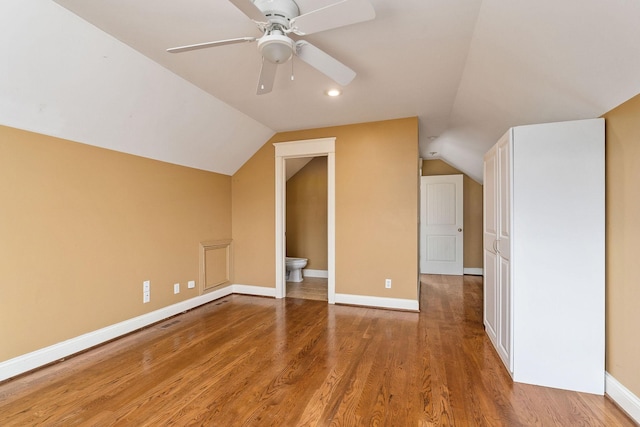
310, 148
306, 228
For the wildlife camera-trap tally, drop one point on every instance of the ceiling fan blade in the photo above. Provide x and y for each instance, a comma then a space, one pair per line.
210, 44
250, 9
324, 63
345, 12
267, 76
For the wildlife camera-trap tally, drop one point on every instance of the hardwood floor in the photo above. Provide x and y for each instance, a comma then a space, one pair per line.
254, 361
310, 288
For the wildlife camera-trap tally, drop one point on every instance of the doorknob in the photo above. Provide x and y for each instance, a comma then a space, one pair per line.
459, 230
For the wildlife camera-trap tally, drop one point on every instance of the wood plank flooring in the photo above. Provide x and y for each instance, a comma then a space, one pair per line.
250, 361
314, 288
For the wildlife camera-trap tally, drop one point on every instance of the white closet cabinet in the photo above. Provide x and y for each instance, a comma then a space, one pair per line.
544, 296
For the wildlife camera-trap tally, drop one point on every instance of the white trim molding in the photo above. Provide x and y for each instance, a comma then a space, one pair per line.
623, 397
378, 302
258, 291
473, 271
214, 245
297, 149
27, 362
323, 274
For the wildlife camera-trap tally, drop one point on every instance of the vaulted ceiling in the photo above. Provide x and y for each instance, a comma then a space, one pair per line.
468, 69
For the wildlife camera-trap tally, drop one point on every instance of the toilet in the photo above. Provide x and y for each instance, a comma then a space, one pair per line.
294, 268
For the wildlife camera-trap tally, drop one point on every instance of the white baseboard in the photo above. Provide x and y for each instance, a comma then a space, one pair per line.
379, 302
35, 359
306, 272
254, 290
624, 398
473, 271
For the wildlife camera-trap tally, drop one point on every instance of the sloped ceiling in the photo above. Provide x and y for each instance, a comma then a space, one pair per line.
468, 69
61, 76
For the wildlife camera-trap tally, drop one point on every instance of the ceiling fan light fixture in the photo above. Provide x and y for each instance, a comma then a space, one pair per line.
276, 48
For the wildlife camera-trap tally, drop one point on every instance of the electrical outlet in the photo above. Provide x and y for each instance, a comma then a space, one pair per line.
146, 291
176, 288
191, 284
387, 283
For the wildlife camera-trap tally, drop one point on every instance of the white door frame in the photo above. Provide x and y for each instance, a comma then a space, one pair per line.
305, 148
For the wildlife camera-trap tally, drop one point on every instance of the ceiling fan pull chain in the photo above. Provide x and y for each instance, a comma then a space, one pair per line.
292, 59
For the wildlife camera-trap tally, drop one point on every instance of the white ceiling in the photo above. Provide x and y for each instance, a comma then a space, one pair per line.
469, 69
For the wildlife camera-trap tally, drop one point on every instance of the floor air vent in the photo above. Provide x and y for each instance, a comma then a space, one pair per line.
168, 325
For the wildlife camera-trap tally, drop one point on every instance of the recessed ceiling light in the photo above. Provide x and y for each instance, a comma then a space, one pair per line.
333, 92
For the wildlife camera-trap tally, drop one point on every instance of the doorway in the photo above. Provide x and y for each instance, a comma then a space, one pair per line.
306, 226
302, 149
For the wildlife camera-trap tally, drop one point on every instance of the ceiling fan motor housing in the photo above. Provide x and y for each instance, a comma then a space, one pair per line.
278, 11
275, 46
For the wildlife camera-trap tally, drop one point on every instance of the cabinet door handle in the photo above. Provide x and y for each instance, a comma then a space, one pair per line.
495, 246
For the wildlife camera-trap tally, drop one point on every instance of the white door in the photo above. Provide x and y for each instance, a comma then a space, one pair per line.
497, 232
503, 245
441, 233
490, 253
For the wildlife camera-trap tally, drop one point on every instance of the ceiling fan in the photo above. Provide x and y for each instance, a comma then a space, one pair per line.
279, 18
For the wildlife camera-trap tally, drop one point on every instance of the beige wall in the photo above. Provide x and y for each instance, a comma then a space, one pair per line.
253, 220
472, 210
623, 243
307, 214
376, 209
83, 227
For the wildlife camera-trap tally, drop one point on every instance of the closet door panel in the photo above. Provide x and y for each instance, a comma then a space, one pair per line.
491, 296
504, 312
504, 195
490, 259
